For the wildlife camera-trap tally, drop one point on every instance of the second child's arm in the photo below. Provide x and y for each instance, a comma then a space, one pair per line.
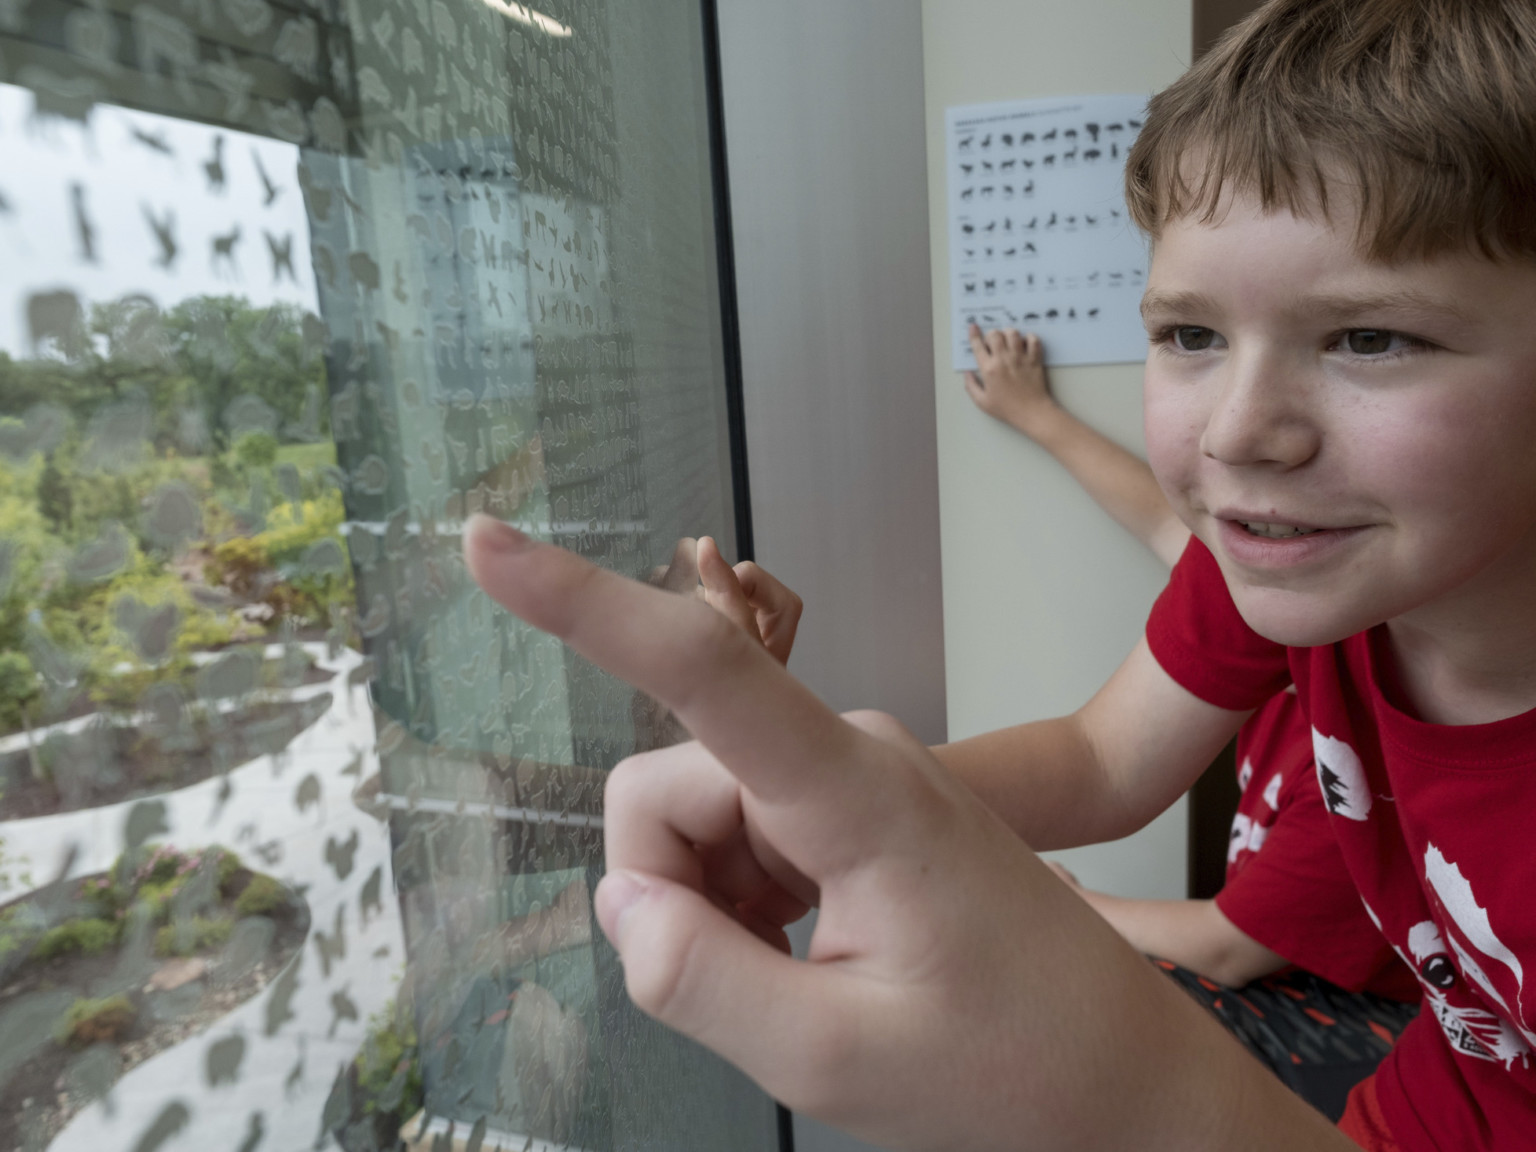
1010, 385
1191, 933
1106, 770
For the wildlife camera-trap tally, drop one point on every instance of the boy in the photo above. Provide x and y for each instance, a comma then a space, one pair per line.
1340, 405
1325, 1025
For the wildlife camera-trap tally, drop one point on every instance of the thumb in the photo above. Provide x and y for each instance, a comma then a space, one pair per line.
691, 966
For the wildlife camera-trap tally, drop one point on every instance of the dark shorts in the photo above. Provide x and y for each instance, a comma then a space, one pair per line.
1317, 1038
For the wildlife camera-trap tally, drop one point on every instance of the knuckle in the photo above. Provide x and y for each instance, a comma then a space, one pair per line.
627, 785
661, 981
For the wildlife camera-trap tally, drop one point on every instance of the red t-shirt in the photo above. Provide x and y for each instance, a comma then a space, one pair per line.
1434, 823
1287, 886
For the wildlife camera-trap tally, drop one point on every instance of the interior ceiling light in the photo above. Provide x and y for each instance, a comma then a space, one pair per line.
526, 15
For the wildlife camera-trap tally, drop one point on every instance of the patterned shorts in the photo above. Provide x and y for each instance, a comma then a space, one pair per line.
1319, 1039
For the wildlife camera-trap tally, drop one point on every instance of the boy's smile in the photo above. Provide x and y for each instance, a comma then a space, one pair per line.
1355, 442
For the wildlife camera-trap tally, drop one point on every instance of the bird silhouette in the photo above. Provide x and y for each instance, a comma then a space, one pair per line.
153, 141
270, 190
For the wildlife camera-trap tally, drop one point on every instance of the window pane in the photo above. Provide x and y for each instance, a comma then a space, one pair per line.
298, 832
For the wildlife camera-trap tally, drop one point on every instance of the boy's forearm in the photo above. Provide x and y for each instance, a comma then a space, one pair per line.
1119, 481
1192, 933
1043, 779
1103, 772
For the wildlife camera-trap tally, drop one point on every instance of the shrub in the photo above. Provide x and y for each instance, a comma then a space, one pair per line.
18, 689
155, 898
225, 870
18, 929
93, 1021
194, 934
261, 896
389, 1065
89, 937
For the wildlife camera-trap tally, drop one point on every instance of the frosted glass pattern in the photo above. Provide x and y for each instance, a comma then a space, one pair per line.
298, 832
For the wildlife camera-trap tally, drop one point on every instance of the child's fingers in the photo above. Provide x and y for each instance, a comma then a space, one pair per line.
768, 729
1015, 341
1032, 348
776, 607
682, 575
722, 591
697, 969
979, 347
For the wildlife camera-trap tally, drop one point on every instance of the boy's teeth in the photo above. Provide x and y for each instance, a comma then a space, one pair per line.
1276, 531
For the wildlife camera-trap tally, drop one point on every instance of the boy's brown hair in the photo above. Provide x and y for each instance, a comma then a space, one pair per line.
1423, 110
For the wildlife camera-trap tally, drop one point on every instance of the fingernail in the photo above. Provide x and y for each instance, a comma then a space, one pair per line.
496, 536
617, 893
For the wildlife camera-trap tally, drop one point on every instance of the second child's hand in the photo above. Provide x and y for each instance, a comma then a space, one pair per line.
1009, 382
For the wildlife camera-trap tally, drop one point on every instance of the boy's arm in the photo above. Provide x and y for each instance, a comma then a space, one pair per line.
1010, 385
1104, 771
1191, 933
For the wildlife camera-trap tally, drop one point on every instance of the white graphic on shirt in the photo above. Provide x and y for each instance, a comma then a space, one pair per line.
1341, 777
1246, 835
1471, 1031
1272, 792
1482, 945
1245, 775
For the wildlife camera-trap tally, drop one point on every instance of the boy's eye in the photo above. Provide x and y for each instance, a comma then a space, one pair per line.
1373, 341
1189, 338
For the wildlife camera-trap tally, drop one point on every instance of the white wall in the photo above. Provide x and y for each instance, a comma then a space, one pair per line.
1043, 594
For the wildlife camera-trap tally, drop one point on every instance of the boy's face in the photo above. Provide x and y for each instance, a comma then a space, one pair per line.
1388, 411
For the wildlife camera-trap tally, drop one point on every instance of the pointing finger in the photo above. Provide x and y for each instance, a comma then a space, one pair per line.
772, 733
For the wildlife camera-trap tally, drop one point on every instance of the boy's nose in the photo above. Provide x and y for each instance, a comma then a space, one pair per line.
1257, 416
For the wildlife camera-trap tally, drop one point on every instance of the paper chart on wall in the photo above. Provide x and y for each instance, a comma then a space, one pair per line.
1039, 238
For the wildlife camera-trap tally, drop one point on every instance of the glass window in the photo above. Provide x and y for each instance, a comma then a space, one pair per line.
298, 832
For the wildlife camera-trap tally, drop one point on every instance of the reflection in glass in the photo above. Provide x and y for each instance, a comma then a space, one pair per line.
298, 833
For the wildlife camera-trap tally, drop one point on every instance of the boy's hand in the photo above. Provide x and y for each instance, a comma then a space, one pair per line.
955, 995
1009, 383
747, 595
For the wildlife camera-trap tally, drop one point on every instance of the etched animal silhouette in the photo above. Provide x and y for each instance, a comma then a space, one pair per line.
365, 270
270, 191
342, 1008
165, 235
214, 166
341, 854
84, 230
282, 256
333, 945
154, 141
316, 195
230, 79
224, 250
370, 899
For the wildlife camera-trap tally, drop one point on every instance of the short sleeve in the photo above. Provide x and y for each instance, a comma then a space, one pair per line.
1296, 897
1197, 635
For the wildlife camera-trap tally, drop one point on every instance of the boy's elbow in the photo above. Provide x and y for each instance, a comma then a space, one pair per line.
1237, 958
